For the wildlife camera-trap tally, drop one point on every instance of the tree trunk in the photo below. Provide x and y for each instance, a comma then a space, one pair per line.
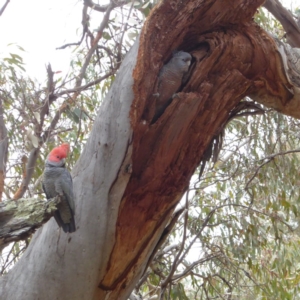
132, 173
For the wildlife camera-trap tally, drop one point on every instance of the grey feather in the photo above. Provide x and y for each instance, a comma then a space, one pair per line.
58, 181
170, 80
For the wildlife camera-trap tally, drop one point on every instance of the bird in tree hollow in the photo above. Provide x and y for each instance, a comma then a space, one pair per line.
56, 181
169, 80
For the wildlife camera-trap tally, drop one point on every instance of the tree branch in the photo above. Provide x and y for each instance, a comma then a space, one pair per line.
4, 7
20, 219
104, 22
287, 21
268, 159
177, 258
86, 86
103, 8
84, 22
190, 267
50, 97
29, 172
3, 150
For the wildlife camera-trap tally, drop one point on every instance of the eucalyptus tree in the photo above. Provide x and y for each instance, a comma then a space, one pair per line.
131, 173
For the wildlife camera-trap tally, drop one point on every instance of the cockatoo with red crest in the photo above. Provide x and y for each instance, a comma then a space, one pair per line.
57, 180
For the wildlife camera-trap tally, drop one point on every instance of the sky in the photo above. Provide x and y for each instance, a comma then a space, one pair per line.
42, 26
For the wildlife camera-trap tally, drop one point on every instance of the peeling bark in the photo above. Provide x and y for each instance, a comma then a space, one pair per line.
132, 173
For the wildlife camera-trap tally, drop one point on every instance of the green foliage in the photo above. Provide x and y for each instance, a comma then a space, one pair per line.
248, 248
22, 101
266, 20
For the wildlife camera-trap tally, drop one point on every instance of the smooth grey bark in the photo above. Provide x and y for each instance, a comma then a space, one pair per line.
68, 266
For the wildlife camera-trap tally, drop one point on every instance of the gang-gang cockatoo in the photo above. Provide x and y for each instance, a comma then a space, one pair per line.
57, 180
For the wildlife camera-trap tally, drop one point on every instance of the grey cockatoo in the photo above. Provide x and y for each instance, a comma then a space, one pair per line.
58, 181
169, 80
